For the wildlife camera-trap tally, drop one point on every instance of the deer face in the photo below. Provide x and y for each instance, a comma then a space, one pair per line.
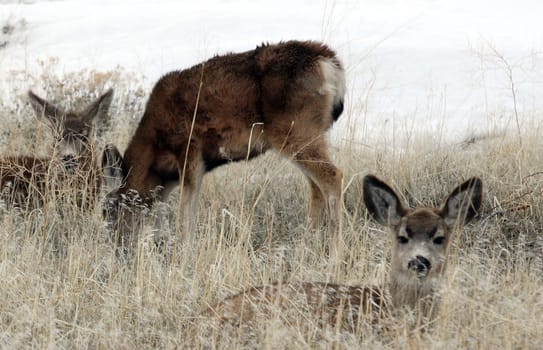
72, 130
419, 244
421, 236
72, 141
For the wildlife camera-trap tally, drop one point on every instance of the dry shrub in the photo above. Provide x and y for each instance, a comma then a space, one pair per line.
65, 287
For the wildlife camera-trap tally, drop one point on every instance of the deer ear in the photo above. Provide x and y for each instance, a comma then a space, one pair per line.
45, 109
463, 202
382, 202
113, 167
99, 108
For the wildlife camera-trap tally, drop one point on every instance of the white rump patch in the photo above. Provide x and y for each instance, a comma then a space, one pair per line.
334, 80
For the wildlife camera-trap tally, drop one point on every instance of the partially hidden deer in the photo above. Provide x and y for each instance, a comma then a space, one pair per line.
420, 241
234, 107
26, 181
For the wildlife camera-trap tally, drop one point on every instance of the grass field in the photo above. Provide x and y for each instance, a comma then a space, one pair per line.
64, 287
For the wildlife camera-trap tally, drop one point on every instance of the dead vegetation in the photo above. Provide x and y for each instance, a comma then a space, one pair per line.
75, 293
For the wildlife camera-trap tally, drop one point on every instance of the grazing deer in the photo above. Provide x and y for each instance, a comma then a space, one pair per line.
420, 240
26, 180
229, 108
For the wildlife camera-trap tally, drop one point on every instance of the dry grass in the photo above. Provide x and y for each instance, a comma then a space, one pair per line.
63, 286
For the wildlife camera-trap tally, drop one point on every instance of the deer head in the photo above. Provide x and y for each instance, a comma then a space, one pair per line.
420, 237
71, 129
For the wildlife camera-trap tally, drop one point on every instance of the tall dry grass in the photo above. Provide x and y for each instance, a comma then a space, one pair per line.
64, 287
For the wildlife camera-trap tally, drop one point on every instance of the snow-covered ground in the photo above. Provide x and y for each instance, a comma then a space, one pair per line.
444, 62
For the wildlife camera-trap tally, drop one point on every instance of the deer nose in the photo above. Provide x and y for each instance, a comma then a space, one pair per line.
420, 265
69, 161
67, 158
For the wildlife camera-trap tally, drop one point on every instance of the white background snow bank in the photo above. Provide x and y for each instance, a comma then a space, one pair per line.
436, 61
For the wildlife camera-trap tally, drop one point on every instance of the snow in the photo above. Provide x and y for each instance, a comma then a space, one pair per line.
439, 62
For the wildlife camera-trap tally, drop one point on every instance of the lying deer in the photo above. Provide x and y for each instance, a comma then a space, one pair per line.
234, 107
420, 240
26, 180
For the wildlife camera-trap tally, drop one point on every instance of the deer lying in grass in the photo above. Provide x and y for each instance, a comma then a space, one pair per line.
420, 239
234, 107
25, 181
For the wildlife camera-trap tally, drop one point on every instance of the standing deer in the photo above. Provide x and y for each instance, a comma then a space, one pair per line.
420, 240
229, 108
26, 180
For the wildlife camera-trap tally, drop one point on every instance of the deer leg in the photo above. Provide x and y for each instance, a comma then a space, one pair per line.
317, 166
310, 155
191, 172
317, 205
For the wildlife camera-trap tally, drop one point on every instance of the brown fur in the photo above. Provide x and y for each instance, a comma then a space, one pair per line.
335, 304
418, 262
282, 97
25, 180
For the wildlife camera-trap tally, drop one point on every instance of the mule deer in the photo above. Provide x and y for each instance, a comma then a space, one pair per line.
234, 107
25, 180
420, 240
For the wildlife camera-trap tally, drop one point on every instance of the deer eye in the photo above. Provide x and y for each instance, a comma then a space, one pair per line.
439, 240
403, 239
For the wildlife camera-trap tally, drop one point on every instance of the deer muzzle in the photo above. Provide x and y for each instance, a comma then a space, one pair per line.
420, 265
